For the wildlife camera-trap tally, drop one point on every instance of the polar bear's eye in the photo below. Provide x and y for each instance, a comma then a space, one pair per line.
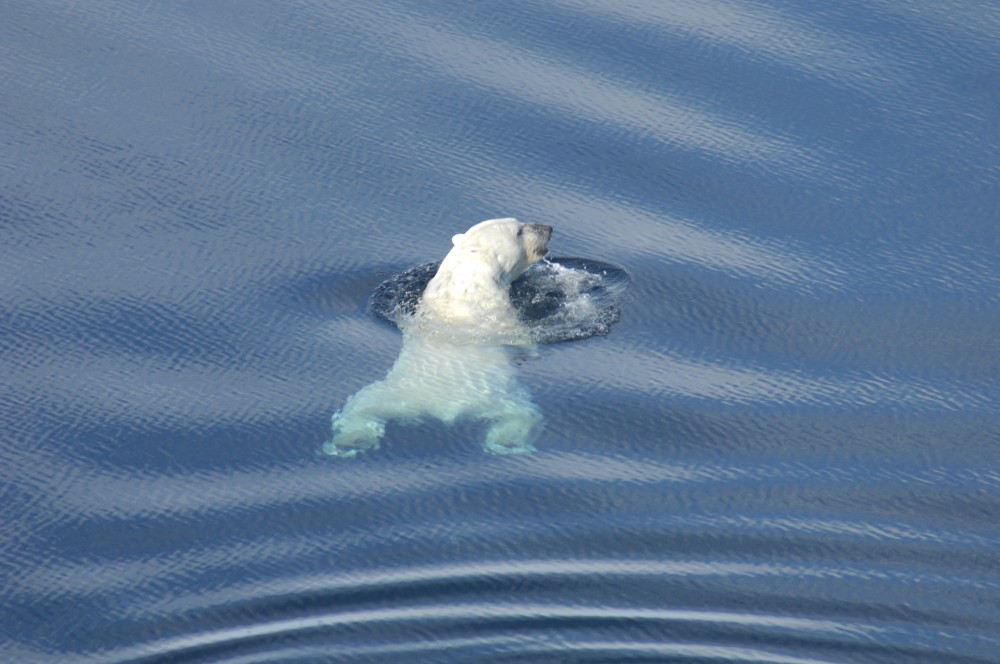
520, 231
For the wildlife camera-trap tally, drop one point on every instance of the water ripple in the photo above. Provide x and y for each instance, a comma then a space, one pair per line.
831, 583
343, 614
528, 75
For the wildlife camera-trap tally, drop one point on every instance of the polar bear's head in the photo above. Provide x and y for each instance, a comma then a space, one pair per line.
471, 285
507, 246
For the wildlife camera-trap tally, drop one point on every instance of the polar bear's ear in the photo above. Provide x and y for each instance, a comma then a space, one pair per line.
455, 239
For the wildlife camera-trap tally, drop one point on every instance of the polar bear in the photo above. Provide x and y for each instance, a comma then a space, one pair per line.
457, 361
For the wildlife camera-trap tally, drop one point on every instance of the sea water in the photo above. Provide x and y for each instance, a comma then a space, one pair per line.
780, 444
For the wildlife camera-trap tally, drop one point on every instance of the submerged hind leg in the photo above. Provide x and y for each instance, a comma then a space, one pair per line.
353, 434
360, 425
514, 431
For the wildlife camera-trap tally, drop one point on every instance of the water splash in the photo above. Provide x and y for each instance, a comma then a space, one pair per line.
559, 299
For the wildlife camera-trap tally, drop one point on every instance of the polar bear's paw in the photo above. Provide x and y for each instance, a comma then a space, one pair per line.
351, 436
513, 435
504, 449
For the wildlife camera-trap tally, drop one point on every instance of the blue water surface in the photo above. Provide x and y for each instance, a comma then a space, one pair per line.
786, 451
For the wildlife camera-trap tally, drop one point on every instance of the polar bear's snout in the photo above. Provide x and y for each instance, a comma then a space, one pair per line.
536, 239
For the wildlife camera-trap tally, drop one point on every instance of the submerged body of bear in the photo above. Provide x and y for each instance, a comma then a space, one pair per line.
448, 368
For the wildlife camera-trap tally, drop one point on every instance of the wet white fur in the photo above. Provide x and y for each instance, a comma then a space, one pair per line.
445, 370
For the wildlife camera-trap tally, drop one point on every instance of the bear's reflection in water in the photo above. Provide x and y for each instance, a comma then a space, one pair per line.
451, 366
437, 378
